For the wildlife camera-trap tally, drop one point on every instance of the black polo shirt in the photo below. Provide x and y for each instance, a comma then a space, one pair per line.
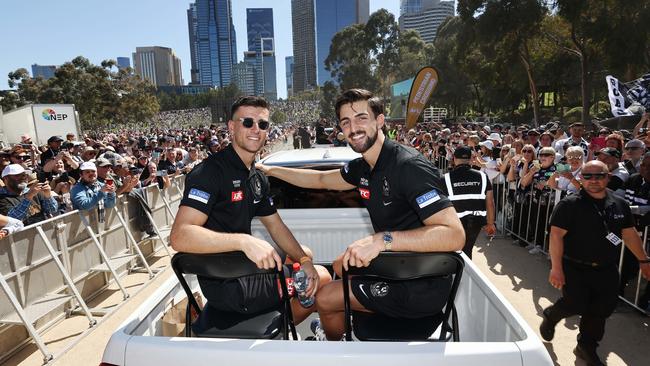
230, 193
585, 240
401, 191
637, 193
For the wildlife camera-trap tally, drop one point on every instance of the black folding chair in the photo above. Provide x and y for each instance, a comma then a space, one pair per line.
404, 266
231, 265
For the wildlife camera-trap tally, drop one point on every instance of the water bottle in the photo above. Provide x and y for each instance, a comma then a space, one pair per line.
100, 210
300, 283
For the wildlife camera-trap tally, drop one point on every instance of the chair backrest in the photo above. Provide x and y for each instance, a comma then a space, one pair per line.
409, 266
217, 265
224, 266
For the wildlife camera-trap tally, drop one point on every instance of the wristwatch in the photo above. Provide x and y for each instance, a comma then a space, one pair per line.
388, 241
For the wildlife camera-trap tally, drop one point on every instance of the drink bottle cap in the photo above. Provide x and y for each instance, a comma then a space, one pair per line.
296, 266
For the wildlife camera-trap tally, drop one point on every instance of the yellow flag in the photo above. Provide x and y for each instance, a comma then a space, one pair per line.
424, 84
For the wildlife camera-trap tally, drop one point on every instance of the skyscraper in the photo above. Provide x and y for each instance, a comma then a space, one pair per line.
159, 65
314, 24
123, 62
212, 39
424, 16
44, 71
288, 67
261, 51
243, 75
331, 17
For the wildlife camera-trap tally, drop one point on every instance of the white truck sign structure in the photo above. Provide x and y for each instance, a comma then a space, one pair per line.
40, 122
491, 332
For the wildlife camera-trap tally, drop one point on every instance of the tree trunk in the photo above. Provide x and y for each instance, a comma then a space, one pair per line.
524, 56
586, 86
478, 98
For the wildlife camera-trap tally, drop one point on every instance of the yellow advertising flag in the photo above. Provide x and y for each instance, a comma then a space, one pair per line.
424, 84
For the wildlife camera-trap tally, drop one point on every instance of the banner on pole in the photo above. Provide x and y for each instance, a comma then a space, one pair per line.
423, 86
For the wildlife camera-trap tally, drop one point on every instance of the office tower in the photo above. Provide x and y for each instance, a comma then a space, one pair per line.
243, 75
288, 67
123, 63
212, 39
261, 51
315, 22
424, 16
159, 65
44, 71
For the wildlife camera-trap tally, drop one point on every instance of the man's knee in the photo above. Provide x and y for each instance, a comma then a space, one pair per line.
324, 276
330, 297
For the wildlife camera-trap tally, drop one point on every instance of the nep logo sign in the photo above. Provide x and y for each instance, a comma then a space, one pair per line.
50, 114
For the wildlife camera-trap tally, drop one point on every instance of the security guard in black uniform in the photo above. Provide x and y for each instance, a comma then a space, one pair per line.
470, 191
222, 195
403, 194
587, 230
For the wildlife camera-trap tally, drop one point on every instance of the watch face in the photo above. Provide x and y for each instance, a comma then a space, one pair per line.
388, 238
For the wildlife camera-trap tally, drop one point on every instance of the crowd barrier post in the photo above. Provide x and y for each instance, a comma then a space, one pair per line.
134, 243
158, 234
162, 195
102, 253
26, 322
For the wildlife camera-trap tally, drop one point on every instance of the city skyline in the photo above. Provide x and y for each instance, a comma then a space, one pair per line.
78, 33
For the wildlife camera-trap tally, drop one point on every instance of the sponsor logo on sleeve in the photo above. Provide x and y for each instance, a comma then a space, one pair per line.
427, 198
237, 196
365, 193
199, 195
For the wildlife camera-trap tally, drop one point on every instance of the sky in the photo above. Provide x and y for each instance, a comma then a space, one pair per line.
49, 32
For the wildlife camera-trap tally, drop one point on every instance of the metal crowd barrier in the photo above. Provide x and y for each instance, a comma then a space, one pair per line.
526, 217
51, 269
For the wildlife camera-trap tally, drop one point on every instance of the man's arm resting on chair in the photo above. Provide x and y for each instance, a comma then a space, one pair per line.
188, 235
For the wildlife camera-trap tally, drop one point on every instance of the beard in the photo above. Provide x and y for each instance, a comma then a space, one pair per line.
370, 140
21, 187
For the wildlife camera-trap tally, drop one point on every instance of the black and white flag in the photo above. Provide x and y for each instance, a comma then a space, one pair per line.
626, 99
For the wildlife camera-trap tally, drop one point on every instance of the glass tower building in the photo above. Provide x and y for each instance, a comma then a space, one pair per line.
261, 50
212, 39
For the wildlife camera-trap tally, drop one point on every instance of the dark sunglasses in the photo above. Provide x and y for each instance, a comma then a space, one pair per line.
597, 176
248, 123
21, 157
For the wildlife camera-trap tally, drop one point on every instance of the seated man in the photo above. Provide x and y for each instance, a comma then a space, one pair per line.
27, 205
222, 195
87, 193
403, 194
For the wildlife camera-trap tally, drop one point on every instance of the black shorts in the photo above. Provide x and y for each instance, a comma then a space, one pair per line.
244, 295
402, 299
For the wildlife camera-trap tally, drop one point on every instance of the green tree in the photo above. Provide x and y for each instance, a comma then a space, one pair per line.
328, 99
278, 116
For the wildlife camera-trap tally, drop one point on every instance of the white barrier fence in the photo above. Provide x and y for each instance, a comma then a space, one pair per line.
51, 269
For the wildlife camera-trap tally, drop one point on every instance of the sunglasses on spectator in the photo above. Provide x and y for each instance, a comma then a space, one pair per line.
633, 148
597, 176
21, 157
574, 157
248, 123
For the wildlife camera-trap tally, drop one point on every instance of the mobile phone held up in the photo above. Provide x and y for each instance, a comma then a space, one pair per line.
161, 173
562, 168
109, 181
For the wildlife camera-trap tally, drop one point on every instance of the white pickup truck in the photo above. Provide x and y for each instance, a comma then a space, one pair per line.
491, 332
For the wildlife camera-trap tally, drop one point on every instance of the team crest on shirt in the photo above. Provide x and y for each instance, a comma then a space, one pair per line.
386, 188
363, 182
237, 196
257, 186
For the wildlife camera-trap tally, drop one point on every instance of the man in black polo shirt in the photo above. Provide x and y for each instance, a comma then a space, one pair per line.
586, 234
222, 195
403, 194
470, 191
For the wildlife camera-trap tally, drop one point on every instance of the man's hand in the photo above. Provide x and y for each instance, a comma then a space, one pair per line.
33, 191
556, 278
362, 251
108, 188
263, 168
645, 270
490, 229
46, 190
312, 274
262, 254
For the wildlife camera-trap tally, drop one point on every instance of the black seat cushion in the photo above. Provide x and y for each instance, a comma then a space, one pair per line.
379, 327
214, 323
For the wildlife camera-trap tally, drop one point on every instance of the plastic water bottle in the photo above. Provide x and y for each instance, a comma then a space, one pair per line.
300, 283
100, 210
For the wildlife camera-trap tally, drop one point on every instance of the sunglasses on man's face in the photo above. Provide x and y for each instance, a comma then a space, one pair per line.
21, 157
248, 123
596, 176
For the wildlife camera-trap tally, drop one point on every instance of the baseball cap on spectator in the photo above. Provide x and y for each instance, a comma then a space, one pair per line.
102, 162
533, 132
610, 151
88, 165
463, 152
636, 143
495, 136
54, 139
488, 144
14, 169
110, 148
446, 130
577, 124
213, 142
25, 137
546, 150
487, 129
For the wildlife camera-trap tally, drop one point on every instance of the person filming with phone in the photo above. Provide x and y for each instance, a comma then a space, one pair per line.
89, 193
29, 203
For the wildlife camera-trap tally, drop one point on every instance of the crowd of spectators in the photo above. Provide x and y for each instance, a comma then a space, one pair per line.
298, 112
